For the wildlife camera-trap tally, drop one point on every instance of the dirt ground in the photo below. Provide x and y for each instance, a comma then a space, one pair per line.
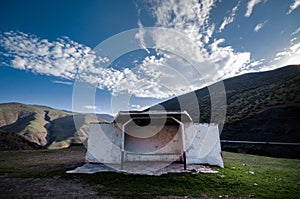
45, 188
54, 187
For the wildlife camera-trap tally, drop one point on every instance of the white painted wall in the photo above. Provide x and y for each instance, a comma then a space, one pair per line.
202, 143
104, 144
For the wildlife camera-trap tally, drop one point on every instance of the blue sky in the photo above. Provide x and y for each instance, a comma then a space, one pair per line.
47, 46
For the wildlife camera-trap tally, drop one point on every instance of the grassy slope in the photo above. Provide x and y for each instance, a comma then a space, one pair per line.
272, 177
43, 125
29, 121
64, 131
246, 95
254, 93
265, 98
10, 112
9, 141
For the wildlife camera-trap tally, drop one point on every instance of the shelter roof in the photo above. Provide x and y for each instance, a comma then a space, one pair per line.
124, 116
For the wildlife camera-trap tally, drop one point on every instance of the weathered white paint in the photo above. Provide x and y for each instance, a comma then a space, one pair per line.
115, 143
204, 146
165, 140
104, 144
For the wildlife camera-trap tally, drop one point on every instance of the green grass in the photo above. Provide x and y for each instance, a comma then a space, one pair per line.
271, 178
262, 98
39, 163
243, 176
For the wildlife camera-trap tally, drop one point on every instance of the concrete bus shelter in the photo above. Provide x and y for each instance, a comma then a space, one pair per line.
153, 138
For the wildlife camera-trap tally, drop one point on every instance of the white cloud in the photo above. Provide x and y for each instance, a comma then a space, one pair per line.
296, 31
60, 58
160, 76
63, 82
70, 60
293, 6
171, 75
89, 107
259, 26
140, 36
192, 19
256, 63
227, 60
229, 19
290, 55
250, 7
292, 41
138, 107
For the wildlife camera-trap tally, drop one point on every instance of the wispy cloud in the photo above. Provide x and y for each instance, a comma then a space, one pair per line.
250, 7
140, 36
256, 63
296, 31
60, 58
70, 60
229, 19
89, 107
293, 40
138, 107
259, 26
186, 16
63, 82
229, 62
192, 18
290, 55
293, 6
157, 76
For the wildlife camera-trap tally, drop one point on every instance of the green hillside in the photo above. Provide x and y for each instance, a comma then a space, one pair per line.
254, 93
28, 121
246, 95
261, 106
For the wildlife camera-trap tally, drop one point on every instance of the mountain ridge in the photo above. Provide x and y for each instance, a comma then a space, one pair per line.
237, 84
45, 126
257, 105
262, 106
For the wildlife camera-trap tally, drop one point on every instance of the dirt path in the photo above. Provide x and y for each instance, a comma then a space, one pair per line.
45, 188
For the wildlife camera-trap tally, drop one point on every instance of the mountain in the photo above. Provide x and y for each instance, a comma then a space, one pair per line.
262, 106
9, 141
45, 126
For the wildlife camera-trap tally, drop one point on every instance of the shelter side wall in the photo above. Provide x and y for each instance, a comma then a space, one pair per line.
104, 144
204, 145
